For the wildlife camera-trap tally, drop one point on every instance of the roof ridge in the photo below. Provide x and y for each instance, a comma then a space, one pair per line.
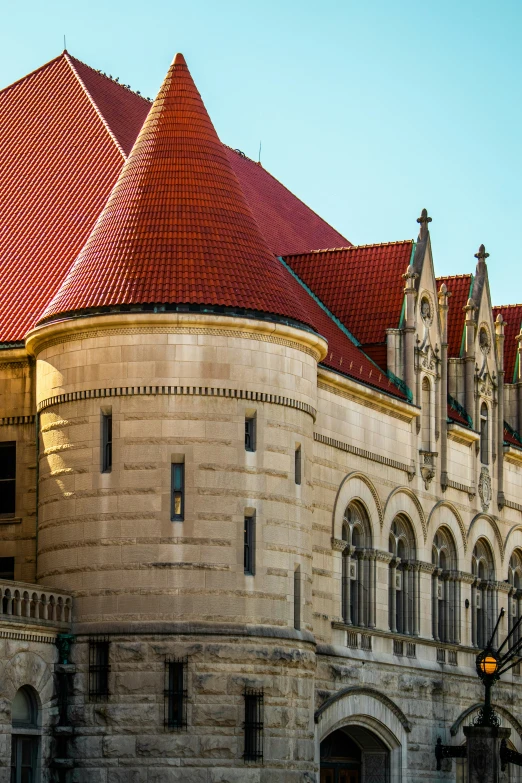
353, 247
242, 154
497, 307
110, 79
32, 73
68, 59
453, 277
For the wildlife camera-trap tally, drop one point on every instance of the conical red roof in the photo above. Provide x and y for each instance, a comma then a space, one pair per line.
177, 227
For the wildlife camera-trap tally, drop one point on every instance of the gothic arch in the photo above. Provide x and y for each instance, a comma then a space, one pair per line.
506, 714
510, 531
356, 690
495, 528
365, 492
456, 515
389, 506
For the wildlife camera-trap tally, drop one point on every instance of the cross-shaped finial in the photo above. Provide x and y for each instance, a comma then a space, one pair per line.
424, 217
482, 255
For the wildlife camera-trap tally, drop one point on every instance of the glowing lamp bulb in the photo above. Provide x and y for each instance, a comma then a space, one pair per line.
489, 664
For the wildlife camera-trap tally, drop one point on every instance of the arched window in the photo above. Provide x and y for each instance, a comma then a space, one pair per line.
484, 434
483, 594
25, 739
358, 568
515, 596
404, 579
426, 415
445, 589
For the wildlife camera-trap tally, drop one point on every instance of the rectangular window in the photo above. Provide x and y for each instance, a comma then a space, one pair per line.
253, 725
250, 545
178, 491
99, 669
297, 598
175, 693
7, 567
297, 464
106, 442
250, 433
7, 478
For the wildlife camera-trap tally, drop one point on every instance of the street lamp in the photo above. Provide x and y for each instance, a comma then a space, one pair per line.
488, 669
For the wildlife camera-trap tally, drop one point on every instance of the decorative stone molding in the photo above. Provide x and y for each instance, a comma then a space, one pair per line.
17, 420
427, 468
361, 476
497, 707
470, 491
347, 447
339, 544
197, 391
456, 514
383, 557
494, 525
484, 488
393, 408
20, 636
365, 691
416, 503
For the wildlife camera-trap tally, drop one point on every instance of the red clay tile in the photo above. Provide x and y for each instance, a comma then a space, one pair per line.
459, 286
512, 315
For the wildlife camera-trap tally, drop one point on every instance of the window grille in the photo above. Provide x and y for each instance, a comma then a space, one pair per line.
250, 433
441, 655
398, 647
99, 669
253, 725
411, 650
7, 567
7, 478
250, 545
178, 491
175, 704
352, 639
297, 465
366, 642
106, 442
452, 657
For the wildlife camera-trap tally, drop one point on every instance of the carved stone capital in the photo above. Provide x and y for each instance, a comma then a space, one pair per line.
339, 544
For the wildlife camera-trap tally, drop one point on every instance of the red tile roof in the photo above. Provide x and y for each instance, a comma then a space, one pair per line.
288, 225
512, 315
361, 285
456, 416
459, 286
63, 130
57, 165
512, 437
177, 227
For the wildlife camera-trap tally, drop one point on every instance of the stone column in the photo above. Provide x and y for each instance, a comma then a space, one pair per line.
499, 330
347, 585
458, 611
416, 598
372, 565
470, 334
361, 564
446, 594
474, 613
483, 746
443, 424
435, 603
406, 598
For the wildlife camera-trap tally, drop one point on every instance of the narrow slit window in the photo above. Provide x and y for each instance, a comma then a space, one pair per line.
249, 550
178, 491
250, 433
297, 598
99, 669
297, 464
175, 693
484, 435
253, 725
7, 567
7, 478
106, 442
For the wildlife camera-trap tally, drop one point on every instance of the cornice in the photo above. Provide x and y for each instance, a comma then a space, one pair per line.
462, 435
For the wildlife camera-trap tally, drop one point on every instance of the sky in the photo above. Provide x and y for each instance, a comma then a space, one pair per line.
368, 110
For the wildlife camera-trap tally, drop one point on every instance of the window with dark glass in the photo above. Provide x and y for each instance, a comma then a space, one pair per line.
24, 737
7, 567
249, 544
175, 693
297, 464
99, 669
250, 433
253, 725
178, 491
106, 442
297, 598
7, 478
484, 435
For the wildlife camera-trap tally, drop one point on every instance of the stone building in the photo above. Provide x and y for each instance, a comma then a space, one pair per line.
260, 498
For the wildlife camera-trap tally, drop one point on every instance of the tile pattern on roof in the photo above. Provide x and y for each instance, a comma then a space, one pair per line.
459, 286
287, 224
176, 227
57, 165
512, 315
361, 285
512, 437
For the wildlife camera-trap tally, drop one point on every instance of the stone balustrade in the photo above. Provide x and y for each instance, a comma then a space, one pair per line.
34, 603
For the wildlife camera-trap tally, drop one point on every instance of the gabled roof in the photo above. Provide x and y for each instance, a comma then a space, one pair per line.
459, 286
512, 315
65, 131
177, 228
362, 285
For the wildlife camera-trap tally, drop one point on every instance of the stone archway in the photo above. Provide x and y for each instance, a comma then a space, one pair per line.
354, 754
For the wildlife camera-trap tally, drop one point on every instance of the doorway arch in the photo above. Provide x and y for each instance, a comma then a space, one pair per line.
354, 754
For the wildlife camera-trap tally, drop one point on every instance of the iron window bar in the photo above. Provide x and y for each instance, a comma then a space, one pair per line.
99, 668
175, 694
253, 725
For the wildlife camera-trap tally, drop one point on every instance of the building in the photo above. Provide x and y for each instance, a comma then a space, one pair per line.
261, 489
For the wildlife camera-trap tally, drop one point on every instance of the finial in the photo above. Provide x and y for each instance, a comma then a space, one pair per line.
481, 255
424, 217
179, 59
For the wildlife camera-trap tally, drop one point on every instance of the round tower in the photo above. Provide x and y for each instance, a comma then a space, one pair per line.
176, 393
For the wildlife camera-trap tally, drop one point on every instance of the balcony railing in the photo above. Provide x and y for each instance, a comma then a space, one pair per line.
34, 603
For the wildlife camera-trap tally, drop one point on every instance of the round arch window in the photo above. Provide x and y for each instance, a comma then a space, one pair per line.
25, 739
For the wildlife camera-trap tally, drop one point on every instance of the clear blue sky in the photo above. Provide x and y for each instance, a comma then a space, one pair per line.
368, 110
